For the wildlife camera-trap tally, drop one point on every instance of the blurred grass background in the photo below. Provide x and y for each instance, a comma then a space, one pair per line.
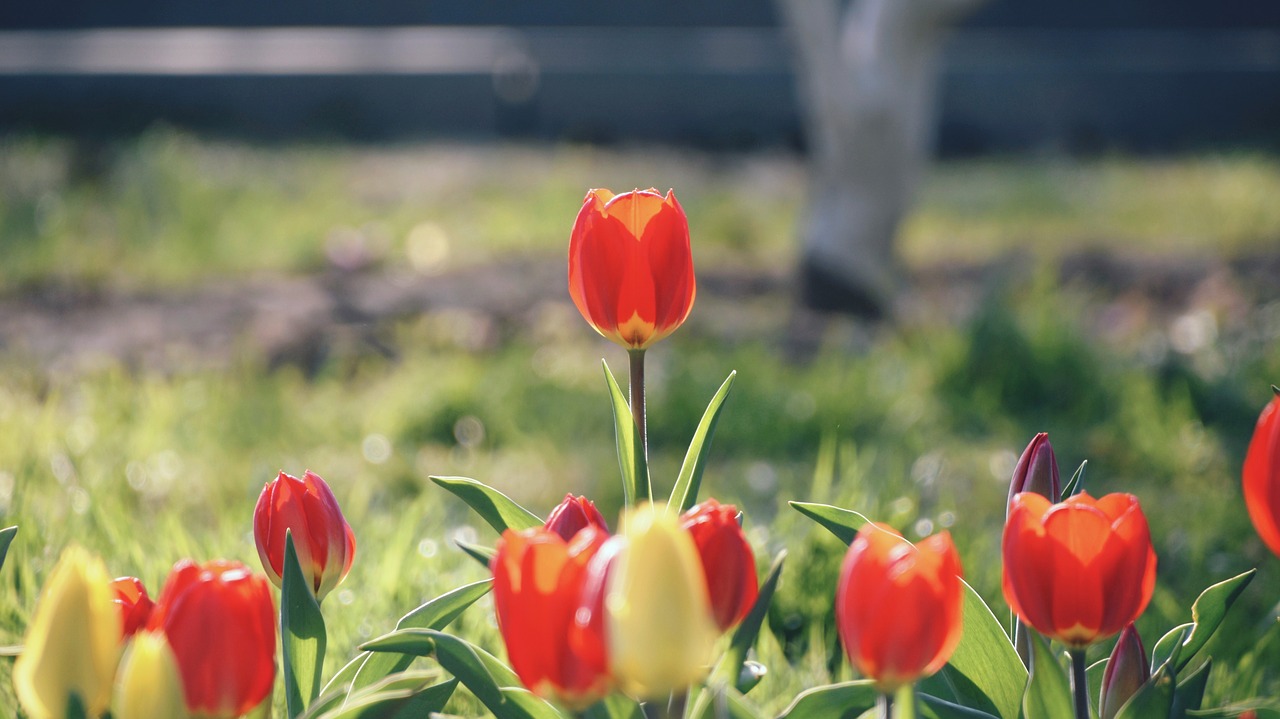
918, 424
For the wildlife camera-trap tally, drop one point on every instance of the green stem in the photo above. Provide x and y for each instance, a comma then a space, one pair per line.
644, 490
1079, 683
905, 701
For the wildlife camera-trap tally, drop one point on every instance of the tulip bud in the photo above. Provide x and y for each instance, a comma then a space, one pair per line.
572, 515
148, 685
321, 536
659, 627
1126, 672
135, 606
1037, 471
727, 560
219, 619
630, 268
73, 642
1262, 476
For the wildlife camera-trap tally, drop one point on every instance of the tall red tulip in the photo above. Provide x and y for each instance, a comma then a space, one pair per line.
135, 605
1080, 570
630, 268
574, 514
728, 563
1262, 476
537, 585
220, 621
322, 538
898, 606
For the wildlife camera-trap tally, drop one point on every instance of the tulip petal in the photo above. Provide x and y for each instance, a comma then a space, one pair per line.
1262, 476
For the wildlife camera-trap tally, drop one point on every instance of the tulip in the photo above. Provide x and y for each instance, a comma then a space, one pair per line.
321, 536
630, 268
658, 623
149, 685
898, 606
728, 563
537, 582
219, 620
1126, 672
73, 641
1262, 476
1037, 470
135, 606
1080, 570
572, 515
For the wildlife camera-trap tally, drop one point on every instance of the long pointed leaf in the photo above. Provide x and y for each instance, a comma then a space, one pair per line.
1208, 611
404, 696
302, 634
615, 706
847, 699
744, 637
631, 459
483, 555
844, 523
1048, 693
6, 538
1189, 694
685, 494
932, 707
499, 510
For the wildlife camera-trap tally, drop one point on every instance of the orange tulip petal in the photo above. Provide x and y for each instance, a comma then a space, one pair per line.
1262, 476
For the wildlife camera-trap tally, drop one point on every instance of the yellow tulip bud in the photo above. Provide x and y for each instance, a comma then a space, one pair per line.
72, 643
149, 685
661, 632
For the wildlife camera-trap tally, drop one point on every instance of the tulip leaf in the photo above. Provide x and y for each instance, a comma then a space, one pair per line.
722, 701
6, 538
499, 510
844, 523
479, 671
1188, 695
1076, 483
1093, 675
834, 701
685, 494
404, 696
1265, 708
302, 634
631, 459
1048, 694
1155, 697
931, 707
482, 554
1207, 613
75, 707
615, 706
435, 614
744, 637
1171, 640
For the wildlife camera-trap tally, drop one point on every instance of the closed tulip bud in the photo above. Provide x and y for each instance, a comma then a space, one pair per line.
1037, 470
148, 685
630, 268
1262, 476
659, 628
573, 515
898, 606
1126, 672
135, 606
73, 641
1080, 570
537, 584
321, 536
219, 619
728, 564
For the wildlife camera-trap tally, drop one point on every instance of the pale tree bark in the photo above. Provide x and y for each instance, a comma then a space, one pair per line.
866, 73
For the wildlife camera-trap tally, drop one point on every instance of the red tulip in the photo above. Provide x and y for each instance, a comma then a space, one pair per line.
630, 268
1126, 672
537, 585
727, 560
572, 515
898, 606
1037, 470
220, 621
1262, 476
135, 605
321, 536
1080, 570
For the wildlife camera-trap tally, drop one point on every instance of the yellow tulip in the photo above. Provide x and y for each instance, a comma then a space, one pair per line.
660, 627
72, 643
149, 686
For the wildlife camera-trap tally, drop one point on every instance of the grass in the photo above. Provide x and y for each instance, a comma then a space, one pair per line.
917, 425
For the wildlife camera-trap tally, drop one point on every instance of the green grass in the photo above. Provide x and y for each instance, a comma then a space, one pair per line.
917, 425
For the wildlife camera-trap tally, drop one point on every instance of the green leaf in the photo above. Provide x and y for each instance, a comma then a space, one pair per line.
631, 459
744, 637
496, 508
1166, 645
1209, 610
479, 671
1266, 709
834, 701
1075, 484
1048, 690
1093, 675
526, 703
408, 695
685, 494
932, 707
6, 538
302, 634
615, 706
75, 707
435, 614
1153, 699
483, 555
844, 523
1189, 694
723, 701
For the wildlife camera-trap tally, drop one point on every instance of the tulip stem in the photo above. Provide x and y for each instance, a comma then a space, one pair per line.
1080, 683
644, 491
